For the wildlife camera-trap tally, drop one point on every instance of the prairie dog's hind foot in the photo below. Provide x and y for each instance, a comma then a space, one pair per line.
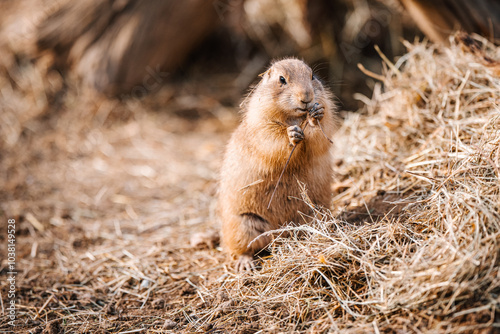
245, 238
245, 263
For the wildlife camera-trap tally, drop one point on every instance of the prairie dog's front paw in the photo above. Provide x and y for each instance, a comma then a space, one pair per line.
295, 134
317, 112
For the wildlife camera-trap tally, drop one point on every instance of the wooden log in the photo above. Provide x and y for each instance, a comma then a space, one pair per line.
120, 46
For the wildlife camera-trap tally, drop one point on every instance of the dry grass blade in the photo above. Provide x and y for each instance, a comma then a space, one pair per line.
282, 172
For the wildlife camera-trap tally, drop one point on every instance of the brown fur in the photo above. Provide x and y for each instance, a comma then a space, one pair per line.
258, 150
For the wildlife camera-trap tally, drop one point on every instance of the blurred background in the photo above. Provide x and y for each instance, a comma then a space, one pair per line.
123, 107
130, 49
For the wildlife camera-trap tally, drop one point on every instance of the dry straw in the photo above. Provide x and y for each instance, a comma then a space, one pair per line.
426, 262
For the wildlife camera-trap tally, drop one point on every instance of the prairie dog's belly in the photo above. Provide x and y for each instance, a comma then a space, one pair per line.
284, 206
252, 192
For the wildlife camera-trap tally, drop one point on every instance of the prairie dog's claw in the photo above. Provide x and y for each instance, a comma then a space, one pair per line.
295, 134
317, 112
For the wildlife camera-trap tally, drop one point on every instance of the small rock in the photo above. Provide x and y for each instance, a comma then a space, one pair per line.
145, 284
169, 324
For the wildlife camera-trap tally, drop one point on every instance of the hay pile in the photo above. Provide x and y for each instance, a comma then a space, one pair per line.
423, 165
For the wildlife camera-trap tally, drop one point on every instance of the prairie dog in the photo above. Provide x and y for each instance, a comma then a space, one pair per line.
257, 152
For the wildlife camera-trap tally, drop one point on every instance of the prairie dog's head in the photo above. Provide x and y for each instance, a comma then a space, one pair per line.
287, 89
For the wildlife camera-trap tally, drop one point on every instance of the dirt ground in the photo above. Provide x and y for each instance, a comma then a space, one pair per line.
105, 205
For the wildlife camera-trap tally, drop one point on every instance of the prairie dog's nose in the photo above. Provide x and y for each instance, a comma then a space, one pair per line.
306, 96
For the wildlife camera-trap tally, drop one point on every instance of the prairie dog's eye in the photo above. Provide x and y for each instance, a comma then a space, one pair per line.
313, 77
282, 80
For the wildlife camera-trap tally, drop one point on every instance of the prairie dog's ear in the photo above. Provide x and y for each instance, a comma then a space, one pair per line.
268, 72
